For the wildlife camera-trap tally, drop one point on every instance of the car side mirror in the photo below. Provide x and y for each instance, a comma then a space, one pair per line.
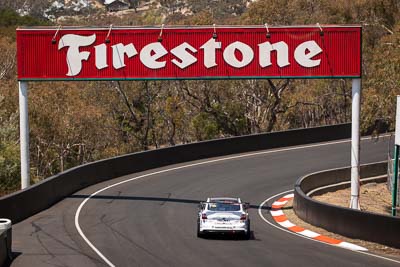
246, 205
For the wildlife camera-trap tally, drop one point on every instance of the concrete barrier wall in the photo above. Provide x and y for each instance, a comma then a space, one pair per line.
25, 203
348, 222
5, 247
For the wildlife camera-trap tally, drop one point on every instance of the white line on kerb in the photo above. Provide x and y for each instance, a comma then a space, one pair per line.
293, 233
107, 261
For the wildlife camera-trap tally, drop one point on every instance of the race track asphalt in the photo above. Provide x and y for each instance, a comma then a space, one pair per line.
152, 221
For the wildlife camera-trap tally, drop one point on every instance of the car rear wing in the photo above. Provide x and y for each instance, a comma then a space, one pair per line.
202, 205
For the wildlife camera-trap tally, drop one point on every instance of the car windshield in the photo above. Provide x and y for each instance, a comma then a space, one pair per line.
220, 206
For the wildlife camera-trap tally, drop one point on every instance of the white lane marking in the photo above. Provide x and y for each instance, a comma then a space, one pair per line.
294, 233
78, 227
108, 262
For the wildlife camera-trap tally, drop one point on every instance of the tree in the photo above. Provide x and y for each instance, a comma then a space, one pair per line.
382, 85
7, 60
74, 123
9, 148
67, 127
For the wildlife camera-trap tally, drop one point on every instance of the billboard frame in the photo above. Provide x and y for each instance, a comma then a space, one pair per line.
220, 29
356, 94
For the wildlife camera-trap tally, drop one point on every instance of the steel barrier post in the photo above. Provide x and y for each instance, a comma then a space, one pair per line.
396, 158
395, 177
355, 144
24, 133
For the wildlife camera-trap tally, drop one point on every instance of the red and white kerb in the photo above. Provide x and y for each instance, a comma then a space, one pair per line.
281, 219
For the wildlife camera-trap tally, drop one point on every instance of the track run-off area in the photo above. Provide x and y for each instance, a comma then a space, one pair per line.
149, 218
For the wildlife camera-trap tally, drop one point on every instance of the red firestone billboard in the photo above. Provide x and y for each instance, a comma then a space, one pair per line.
239, 52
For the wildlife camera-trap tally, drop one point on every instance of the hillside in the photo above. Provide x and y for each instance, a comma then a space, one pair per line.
72, 9
74, 123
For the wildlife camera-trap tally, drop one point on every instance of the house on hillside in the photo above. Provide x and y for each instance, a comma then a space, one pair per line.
117, 5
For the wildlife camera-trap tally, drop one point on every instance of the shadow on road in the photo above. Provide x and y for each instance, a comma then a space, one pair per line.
9, 261
224, 236
162, 200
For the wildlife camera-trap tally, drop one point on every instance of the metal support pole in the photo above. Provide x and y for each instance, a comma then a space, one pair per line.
396, 158
395, 177
24, 133
355, 144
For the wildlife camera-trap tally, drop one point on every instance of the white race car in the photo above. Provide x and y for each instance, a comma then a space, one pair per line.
223, 215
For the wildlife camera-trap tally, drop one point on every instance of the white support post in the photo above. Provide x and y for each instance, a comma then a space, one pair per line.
355, 144
24, 133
